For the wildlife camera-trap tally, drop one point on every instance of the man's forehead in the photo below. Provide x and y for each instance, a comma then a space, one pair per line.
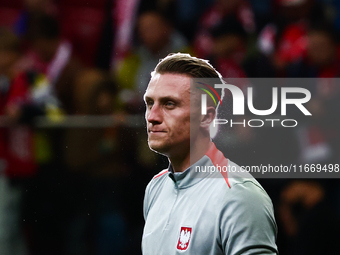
168, 84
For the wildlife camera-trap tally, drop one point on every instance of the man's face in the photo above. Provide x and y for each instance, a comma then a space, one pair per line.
167, 114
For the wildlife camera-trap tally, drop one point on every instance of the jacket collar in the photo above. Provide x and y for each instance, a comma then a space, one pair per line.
196, 172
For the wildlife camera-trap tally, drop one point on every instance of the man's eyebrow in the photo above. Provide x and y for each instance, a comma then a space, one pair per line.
147, 98
163, 99
169, 98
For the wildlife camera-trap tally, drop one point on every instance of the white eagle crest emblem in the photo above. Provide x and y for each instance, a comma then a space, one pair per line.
184, 239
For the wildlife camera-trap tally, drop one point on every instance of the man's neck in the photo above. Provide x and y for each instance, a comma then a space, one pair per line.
196, 152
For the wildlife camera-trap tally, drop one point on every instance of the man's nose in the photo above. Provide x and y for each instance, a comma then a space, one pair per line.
154, 114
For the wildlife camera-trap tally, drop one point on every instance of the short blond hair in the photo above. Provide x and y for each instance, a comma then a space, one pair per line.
182, 63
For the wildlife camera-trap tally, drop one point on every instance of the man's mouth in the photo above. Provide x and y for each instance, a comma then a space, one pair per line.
156, 131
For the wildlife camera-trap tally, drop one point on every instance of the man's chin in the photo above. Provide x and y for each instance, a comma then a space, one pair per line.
158, 147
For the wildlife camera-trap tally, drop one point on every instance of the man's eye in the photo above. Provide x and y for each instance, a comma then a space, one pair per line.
169, 104
149, 104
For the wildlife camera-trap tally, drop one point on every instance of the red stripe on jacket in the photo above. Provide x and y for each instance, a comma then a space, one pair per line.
217, 158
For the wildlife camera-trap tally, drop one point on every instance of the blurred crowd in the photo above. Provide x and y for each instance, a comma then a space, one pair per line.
79, 190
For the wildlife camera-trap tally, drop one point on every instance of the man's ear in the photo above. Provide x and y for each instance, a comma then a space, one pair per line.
208, 118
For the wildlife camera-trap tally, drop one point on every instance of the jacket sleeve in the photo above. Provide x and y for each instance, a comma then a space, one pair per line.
247, 221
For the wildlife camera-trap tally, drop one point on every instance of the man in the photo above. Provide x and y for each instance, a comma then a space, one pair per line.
189, 212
